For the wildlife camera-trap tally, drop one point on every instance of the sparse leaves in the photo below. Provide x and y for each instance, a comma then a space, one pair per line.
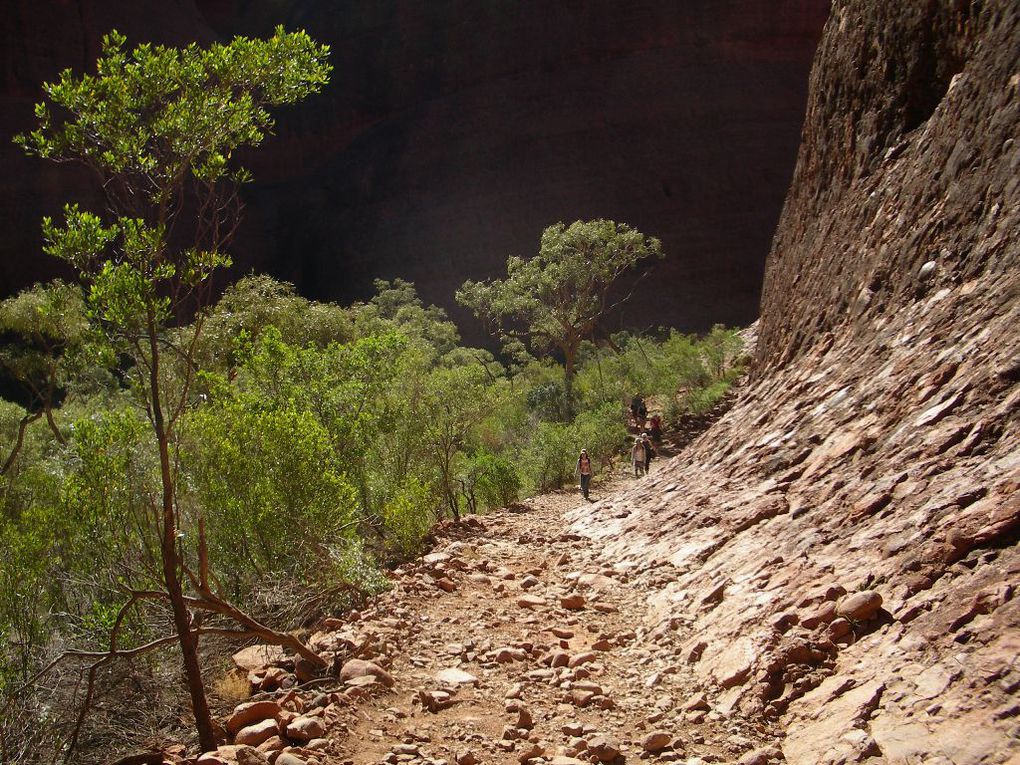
159, 127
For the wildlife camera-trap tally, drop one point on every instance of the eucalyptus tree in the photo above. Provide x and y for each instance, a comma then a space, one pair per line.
159, 127
556, 299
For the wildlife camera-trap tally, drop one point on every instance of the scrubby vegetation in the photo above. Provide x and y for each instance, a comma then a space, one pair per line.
232, 471
319, 444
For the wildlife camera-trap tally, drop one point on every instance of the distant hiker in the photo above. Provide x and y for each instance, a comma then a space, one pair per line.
637, 456
584, 470
655, 428
649, 451
638, 410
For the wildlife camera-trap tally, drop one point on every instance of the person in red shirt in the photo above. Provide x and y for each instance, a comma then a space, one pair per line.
655, 428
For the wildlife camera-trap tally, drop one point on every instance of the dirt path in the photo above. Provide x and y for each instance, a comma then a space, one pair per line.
513, 641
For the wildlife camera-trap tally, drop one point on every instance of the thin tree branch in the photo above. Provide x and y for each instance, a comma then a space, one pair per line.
27, 420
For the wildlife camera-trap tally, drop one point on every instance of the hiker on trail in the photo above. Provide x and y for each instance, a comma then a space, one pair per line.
649, 451
638, 410
655, 428
637, 456
584, 470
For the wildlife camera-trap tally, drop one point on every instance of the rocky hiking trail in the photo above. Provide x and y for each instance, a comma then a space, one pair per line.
511, 641
515, 641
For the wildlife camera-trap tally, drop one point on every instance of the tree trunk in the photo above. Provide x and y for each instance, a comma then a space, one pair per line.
171, 567
53, 426
569, 355
22, 426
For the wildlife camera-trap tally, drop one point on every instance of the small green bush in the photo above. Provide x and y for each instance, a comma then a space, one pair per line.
273, 495
407, 518
703, 399
495, 479
547, 456
602, 431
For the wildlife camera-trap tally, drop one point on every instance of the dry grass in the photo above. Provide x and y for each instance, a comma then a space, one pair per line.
233, 687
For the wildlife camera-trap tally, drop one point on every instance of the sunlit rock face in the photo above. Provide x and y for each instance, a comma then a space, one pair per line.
838, 554
454, 132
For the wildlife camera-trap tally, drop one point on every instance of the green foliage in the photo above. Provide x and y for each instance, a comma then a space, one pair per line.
111, 471
703, 399
407, 518
24, 587
557, 298
68, 530
494, 480
354, 564
40, 321
453, 400
680, 372
281, 500
44, 332
250, 306
159, 126
337, 384
158, 112
397, 308
547, 458
560, 294
547, 401
602, 431
324, 441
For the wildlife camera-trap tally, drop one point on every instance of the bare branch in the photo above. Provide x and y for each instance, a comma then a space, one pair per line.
23, 424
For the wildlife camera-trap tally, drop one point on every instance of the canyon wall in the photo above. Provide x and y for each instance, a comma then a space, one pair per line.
453, 132
837, 557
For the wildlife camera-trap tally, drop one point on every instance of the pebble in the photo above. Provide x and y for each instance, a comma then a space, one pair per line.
860, 606
255, 734
531, 601
656, 741
454, 676
573, 602
355, 668
252, 712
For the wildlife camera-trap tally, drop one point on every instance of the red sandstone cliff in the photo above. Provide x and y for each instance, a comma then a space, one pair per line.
838, 556
454, 132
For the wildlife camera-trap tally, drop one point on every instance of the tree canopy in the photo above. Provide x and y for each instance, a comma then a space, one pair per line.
556, 299
159, 127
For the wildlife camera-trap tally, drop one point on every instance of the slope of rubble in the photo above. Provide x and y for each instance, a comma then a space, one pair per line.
513, 641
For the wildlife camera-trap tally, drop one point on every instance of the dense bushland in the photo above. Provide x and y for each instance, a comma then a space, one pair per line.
319, 444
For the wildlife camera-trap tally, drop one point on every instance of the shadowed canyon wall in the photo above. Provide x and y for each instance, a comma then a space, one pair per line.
838, 554
454, 132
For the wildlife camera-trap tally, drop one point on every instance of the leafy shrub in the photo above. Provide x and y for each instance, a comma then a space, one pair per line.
495, 480
352, 564
547, 456
269, 486
407, 518
702, 400
547, 401
602, 431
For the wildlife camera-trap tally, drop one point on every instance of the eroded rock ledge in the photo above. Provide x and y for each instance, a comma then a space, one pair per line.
838, 553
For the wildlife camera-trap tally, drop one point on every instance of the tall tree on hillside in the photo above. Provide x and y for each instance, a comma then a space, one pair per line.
159, 126
556, 299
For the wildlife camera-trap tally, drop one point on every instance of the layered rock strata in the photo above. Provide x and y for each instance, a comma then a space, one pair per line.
840, 550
